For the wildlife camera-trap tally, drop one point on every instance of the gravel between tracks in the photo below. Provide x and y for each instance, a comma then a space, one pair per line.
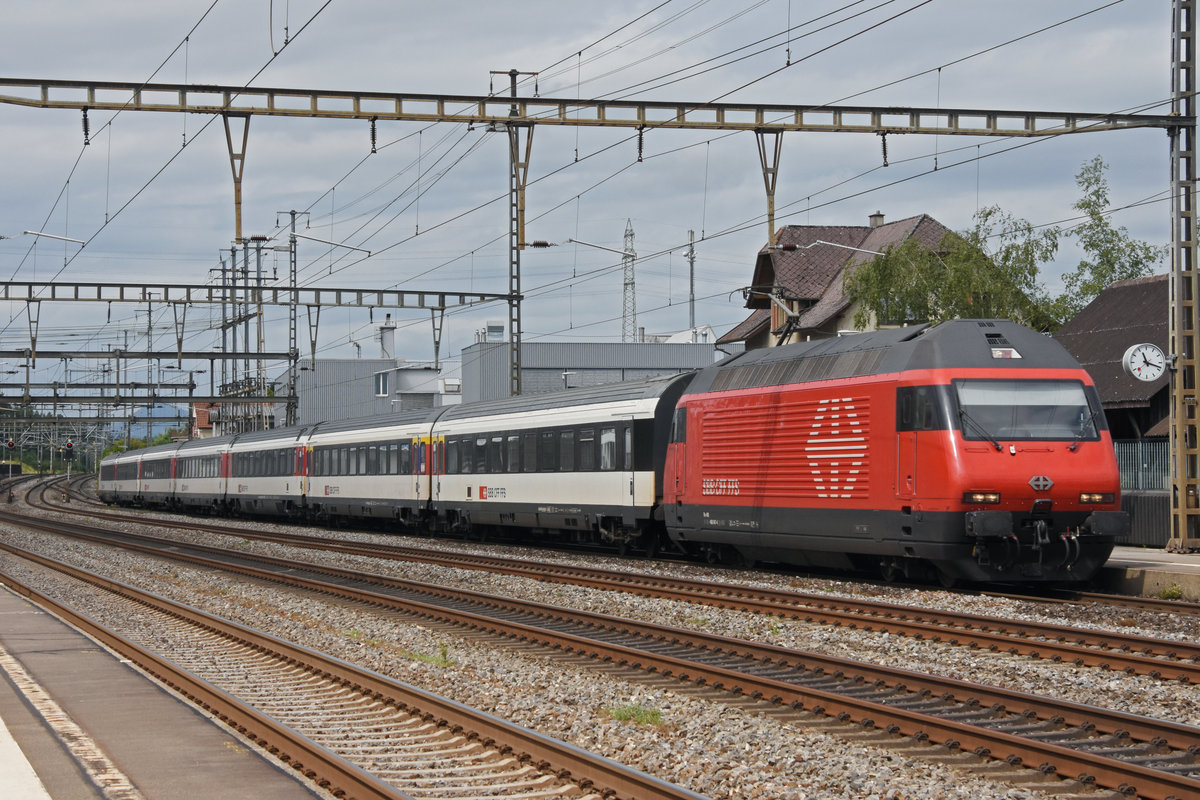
711, 747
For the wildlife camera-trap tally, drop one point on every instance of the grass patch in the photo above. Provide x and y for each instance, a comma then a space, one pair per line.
442, 659
636, 713
1172, 592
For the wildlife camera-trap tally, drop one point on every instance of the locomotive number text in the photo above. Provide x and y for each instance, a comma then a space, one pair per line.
719, 486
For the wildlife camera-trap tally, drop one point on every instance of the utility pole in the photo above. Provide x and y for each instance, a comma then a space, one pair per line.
518, 156
1185, 283
691, 257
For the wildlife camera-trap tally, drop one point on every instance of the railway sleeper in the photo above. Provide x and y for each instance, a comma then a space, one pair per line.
1021, 727
1147, 751
918, 703
1182, 762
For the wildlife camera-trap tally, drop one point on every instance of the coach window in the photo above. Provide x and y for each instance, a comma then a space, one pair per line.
587, 450
513, 460
496, 454
566, 451
452, 457
628, 431
548, 451
373, 460
608, 448
481, 455
529, 452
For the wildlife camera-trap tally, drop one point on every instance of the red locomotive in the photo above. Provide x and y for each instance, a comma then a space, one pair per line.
974, 449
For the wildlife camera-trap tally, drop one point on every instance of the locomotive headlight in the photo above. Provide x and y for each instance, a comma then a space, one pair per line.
985, 498
1096, 497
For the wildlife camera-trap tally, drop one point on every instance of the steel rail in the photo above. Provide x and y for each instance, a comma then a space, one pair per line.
1104, 649
324, 768
1150, 783
607, 777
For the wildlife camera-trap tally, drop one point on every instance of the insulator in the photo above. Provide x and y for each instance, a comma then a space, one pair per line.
86, 134
883, 138
373, 134
641, 135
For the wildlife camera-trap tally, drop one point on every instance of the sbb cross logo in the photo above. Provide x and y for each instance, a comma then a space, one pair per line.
1041, 483
483, 493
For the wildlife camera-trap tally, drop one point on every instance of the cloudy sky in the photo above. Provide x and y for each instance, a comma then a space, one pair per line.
432, 203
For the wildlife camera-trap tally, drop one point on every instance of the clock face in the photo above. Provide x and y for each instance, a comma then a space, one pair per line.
1145, 362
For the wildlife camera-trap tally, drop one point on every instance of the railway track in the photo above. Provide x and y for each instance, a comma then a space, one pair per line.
1124, 752
1059, 596
1166, 659
351, 731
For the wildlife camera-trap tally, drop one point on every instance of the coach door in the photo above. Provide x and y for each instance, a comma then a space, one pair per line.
420, 464
906, 465
916, 410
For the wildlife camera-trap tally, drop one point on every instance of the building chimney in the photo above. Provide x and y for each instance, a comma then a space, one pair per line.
876, 219
387, 338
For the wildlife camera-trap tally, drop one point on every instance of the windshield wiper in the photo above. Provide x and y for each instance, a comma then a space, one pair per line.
1082, 427
982, 431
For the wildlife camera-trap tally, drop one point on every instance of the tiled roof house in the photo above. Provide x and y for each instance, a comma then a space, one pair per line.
808, 278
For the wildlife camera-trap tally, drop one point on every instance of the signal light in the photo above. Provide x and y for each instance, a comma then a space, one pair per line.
11, 444
1097, 497
988, 498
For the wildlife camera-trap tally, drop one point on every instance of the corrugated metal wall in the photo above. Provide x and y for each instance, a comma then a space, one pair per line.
1150, 518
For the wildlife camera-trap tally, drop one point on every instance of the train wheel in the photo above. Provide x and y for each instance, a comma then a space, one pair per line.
891, 571
724, 555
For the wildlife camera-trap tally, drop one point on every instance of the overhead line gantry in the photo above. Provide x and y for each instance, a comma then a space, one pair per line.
519, 116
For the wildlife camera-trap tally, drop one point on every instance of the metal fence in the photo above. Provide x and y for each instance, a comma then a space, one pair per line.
1145, 465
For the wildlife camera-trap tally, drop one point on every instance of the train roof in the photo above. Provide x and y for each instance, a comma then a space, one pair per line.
624, 391
960, 343
383, 421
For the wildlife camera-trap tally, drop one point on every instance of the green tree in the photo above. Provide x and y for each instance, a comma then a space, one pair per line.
993, 270
963, 278
1110, 254
122, 445
168, 436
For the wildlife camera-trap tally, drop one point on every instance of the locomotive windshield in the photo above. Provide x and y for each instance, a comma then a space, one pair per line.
1008, 409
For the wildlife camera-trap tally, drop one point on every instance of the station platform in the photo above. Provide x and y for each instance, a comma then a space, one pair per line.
1150, 571
77, 723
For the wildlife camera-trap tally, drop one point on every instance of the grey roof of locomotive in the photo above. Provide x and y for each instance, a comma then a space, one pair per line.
962, 343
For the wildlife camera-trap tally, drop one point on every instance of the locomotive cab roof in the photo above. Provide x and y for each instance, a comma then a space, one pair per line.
960, 343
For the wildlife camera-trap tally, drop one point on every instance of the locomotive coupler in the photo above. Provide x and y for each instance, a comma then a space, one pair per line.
1041, 534
1071, 549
